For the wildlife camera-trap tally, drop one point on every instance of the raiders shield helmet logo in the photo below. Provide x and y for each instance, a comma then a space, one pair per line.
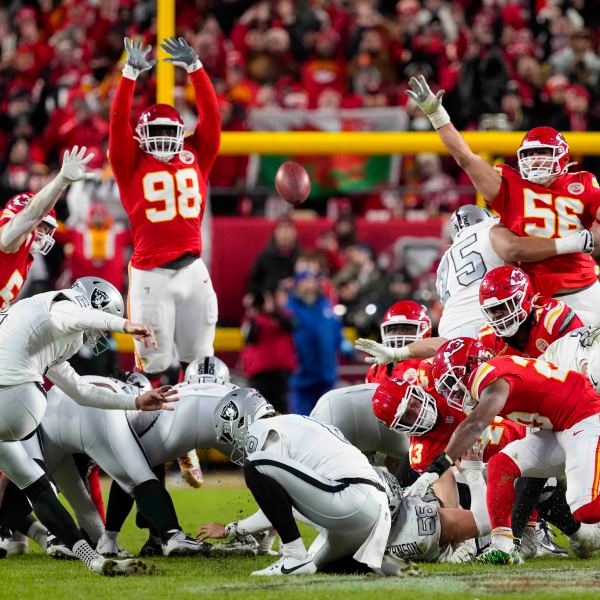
99, 299
230, 412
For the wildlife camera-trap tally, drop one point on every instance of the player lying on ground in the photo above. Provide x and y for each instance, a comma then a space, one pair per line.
126, 447
519, 321
291, 460
56, 325
541, 200
28, 223
480, 244
562, 404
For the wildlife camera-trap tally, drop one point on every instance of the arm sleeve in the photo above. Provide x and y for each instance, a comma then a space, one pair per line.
594, 203
87, 394
67, 317
207, 137
122, 147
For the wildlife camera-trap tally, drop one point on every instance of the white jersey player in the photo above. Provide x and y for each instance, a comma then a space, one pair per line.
461, 270
37, 336
291, 460
350, 410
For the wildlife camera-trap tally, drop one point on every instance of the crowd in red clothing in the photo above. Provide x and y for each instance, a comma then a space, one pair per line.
505, 63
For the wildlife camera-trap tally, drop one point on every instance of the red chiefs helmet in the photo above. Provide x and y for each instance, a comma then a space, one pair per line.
506, 298
543, 155
405, 314
44, 233
404, 407
454, 363
159, 132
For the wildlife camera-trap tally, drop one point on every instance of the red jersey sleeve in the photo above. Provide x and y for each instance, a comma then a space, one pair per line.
122, 147
484, 375
560, 320
207, 136
593, 193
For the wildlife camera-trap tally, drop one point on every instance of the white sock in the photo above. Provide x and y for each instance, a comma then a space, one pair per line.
39, 534
295, 549
85, 553
502, 539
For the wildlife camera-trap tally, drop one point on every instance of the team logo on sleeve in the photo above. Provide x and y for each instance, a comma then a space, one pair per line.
575, 188
541, 344
99, 299
230, 412
186, 157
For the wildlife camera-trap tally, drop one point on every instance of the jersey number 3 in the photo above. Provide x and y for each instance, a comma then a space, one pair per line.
177, 193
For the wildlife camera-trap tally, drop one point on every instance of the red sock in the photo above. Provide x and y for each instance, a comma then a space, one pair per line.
502, 472
96, 492
589, 513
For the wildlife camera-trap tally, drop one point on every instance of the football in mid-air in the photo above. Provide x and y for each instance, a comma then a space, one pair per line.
292, 182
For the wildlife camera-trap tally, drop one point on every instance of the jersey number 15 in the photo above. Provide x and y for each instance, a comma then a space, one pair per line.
177, 193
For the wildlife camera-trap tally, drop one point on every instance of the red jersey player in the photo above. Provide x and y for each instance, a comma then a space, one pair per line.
162, 180
534, 393
28, 222
541, 200
404, 322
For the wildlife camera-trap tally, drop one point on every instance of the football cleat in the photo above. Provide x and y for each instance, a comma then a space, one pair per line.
189, 465
495, 556
180, 544
586, 540
110, 567
528, 546
56, 549
239, 545
546, 544
152, 547
287, 565
107, 546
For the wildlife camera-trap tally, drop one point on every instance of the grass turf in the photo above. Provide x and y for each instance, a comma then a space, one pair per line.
36, 576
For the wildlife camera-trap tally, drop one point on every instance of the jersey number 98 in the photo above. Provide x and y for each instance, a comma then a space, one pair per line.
177, 193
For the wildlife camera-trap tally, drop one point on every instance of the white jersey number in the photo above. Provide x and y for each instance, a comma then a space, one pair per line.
468, 266
178, 193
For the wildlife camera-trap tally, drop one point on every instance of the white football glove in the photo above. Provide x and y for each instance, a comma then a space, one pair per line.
74, 163
580, 241
428, 102
421, 486
380, 354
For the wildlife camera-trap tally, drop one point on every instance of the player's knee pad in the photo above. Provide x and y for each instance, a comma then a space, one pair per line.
589, 513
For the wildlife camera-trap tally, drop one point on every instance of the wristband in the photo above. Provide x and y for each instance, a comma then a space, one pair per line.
439, 118
130, 72
440, 465
195, 66
569, 244
401, 354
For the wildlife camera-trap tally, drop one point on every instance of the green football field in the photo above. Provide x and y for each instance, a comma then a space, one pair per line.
36, 576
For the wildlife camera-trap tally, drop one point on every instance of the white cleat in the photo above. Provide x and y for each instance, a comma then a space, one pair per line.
287, 565
56, 549
545, 542
586, 541
528, 548
111, 568
180, 544
108, 547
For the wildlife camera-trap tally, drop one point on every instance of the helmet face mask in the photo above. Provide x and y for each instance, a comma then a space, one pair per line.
403, 323
505, 299
543, 155
160, 132
450, 385
44, 240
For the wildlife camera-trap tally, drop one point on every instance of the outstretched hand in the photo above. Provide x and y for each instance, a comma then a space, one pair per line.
157, 399
137, 58
378, 353
74, 163
142, 333
181, 54
421, 93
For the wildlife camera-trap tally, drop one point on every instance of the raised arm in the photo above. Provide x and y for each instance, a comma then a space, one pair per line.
512, 248
122, 147
15, 232
207, 136
485, 178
